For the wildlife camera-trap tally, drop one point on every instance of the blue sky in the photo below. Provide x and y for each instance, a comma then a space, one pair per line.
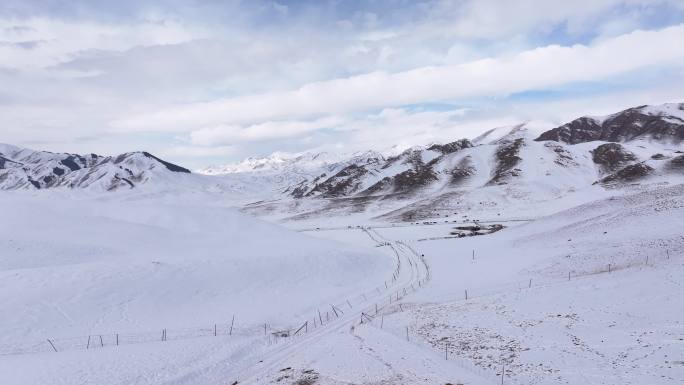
207, 82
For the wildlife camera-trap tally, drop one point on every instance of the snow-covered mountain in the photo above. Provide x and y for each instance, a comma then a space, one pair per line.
662, 123
276, 162
22, 168
504, 166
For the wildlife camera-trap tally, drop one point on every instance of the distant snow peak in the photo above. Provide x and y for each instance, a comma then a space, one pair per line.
502, 133
28, 169
277, 161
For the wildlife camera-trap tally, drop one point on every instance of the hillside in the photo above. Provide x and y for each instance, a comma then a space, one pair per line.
102, 272
27, 169
503, 172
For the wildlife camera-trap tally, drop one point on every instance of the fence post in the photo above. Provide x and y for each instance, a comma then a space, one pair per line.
568, 275
214, 330
530, 285
407, 337
446, 351
230, 333
53, 345
609, 268
117, 339
88, 344
466, 294
101, 342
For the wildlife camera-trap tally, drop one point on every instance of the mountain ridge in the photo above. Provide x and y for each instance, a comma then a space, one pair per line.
22, 168
503, 166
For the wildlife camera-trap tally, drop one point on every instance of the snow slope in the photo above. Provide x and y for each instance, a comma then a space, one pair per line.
512, 176
542, 303
78, 267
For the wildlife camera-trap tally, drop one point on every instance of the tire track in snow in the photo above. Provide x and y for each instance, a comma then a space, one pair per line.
273, 360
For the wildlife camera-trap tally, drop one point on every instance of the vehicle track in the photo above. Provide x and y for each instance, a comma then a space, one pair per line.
413, 273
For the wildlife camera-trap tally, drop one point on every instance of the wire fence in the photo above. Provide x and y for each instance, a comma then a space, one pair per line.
369, 307
500, 374
390, 291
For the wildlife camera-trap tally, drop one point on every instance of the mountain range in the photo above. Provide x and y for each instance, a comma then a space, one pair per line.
506, 167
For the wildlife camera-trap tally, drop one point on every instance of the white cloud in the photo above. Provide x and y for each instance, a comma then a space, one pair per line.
197, 151
235, 79
43, 42
226, 134
534, 69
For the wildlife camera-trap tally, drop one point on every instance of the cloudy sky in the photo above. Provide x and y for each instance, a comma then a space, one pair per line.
210, 82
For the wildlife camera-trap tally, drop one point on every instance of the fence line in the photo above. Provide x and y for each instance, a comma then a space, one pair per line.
371, 312
228, 328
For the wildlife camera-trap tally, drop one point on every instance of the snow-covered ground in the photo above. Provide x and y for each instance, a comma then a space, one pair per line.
543, 304
588, 295
83, 272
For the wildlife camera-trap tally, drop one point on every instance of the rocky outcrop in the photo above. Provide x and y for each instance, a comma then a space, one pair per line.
463, 170
405, 182
628, 174
676, 164
662, 123
507, 157
563, 156
451, 147
611, 157
341, 184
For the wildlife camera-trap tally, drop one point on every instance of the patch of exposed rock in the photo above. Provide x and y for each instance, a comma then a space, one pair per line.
631, 173
463, 170
676, 164
451, 147
345, 182
611, 157
507, 157
405, 182
563, 157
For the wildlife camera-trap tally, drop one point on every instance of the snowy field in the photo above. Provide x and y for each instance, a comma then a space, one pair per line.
589, 295
524, 316
86, 274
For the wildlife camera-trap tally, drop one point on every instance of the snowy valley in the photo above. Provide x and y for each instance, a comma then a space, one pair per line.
513, 257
